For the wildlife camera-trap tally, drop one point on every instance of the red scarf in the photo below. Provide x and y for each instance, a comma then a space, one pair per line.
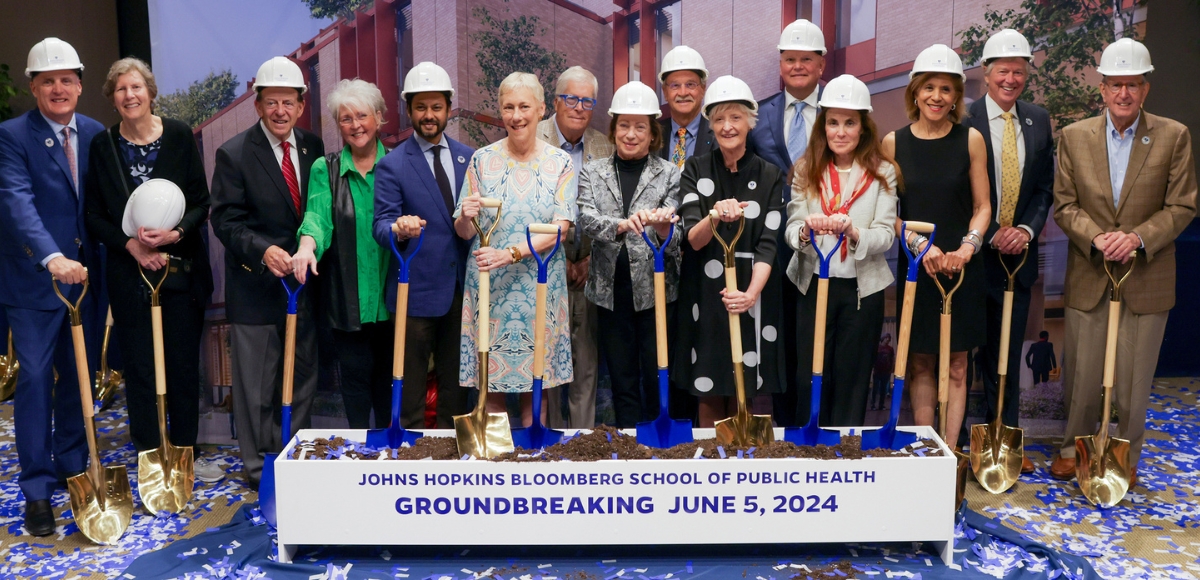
834, 204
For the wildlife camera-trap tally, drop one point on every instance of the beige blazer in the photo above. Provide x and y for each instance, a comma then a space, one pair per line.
1157, 201
595, 146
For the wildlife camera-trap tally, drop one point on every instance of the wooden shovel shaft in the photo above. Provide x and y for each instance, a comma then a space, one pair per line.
660, 318
85, 396
483, 310
1110, 367
944, 376
398, 336
818, 362
905, 330
160, 364
289, 360
1005, 340
539, 333
735, 344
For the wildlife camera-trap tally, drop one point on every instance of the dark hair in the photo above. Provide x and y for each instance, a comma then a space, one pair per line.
408, 99
1043, 334
809, 170
656, 137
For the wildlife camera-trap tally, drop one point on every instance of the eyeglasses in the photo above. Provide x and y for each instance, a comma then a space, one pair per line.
572, 100
1134, 88
690, 85
347, 120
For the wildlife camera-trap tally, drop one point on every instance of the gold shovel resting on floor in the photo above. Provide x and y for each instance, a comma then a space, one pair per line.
998, 450
960, 486
1102, 463
107, 380
165, 475
481, 434
742, 429
101, 504
8, 372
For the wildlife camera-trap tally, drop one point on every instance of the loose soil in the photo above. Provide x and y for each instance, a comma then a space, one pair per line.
605, 442
840, 570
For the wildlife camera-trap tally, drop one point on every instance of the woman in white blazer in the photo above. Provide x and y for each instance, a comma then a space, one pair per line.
843, 185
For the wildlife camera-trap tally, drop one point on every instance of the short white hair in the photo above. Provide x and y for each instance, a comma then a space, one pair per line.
742, 107
356, 95
576, 74
522, 80
987, 67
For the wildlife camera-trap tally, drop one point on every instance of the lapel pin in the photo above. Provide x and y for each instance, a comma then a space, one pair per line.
304, 150
462, 159
1028, 121
752, 185
1146, 140
49, 142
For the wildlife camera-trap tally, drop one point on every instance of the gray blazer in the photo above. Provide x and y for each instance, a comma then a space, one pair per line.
600, 210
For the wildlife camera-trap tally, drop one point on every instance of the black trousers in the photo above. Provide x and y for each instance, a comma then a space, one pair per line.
989, 354
365, 365
183, 325
851, 340
785, 404
440, 336
1039, 376
628, 341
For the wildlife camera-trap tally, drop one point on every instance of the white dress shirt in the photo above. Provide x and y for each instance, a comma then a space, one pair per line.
277, 149
996, 127
447, 162
809, 112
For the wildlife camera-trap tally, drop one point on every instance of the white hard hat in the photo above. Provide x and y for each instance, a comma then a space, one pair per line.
1125, 57
728, 89
682, 58
52, 54
938, 58
846, 92
280, 71
1007, 43
426, 77
157, 204
802, 35
635, 98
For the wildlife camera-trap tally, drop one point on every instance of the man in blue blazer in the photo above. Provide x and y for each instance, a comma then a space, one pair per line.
1020, 163
43, 160
417, 186
785, 122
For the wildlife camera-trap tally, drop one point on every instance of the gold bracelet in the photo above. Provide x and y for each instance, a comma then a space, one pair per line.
516, 254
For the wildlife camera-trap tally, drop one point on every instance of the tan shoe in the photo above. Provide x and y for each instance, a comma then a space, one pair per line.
1027, 465
1063, 468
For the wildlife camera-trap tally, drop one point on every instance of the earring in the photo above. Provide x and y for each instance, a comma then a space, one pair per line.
952, 107
914, 101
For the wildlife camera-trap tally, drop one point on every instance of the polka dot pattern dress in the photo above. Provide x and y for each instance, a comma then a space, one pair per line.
702, 361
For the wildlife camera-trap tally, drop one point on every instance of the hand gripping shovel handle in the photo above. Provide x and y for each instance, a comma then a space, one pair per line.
289, 357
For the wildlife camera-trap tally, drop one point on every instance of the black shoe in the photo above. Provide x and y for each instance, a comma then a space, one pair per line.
39, 517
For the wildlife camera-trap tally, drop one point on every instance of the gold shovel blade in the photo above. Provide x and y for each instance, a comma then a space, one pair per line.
1103, 474
8, 377
483, 437
106, 387
745, 430
103, 519
165, 478
960, 477
997, 451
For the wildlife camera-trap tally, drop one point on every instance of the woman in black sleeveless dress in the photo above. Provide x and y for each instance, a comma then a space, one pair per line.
945, 183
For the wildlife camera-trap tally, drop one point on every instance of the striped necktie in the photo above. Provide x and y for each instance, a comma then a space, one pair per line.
70, 152
289, 175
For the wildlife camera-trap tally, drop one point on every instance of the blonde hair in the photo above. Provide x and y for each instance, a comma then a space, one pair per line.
126, 66
719, 108
522, 80
357, 95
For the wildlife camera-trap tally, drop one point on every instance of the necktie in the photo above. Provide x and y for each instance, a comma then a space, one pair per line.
1010, 174
70, 151
289, 175
679, 155
797, 138
443, 181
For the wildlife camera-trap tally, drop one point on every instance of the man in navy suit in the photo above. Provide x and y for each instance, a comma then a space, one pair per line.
43, 161
417, 186
685, 131
785, 122
1020, 152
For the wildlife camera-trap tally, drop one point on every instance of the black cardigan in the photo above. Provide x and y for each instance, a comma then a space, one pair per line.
104, 200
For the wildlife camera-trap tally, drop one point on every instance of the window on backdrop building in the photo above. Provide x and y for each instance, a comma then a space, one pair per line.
809, 10
635, 48
404, 58
855, 22
669, 29
314, 95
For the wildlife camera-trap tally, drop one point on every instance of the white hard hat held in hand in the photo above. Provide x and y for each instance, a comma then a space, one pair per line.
938, 58
280, 71
426, 77
1007, 43
157, 204
682, 58
1125, 57
846, 92
802, 35
728, 89
52, 54
635, 98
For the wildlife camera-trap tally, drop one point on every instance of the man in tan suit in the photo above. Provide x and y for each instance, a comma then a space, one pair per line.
1126, 182
574, 103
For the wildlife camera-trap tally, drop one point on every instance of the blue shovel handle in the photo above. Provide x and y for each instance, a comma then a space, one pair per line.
914, 261
826, 258
291, 294
543, 271
402, 271
659, 250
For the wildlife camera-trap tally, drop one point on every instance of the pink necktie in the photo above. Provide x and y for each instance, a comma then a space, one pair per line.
70, 151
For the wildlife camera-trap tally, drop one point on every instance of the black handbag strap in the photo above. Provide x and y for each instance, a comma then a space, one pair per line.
117, 162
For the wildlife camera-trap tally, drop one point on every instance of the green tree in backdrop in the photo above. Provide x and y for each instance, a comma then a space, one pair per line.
201, 100
8, 89
1072, 33
334, 9
507, 46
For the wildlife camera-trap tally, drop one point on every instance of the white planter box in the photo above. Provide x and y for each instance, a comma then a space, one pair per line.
686, 501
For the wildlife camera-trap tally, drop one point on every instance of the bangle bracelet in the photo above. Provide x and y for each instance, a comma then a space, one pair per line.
516, 254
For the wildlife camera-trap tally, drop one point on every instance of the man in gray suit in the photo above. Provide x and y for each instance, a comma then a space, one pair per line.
568, 128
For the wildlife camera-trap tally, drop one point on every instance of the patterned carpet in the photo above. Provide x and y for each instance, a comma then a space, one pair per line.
1154, 533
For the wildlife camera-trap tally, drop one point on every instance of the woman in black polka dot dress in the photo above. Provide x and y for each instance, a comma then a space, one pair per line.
725, 179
